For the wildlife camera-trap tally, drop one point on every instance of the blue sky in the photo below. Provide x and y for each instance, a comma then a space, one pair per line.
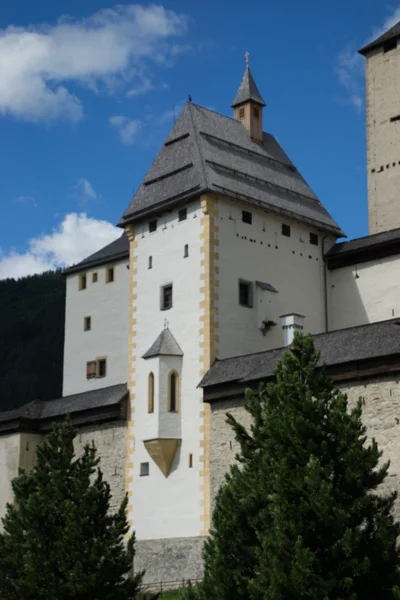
88, 91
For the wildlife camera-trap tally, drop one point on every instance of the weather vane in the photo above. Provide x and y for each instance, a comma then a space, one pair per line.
246, 55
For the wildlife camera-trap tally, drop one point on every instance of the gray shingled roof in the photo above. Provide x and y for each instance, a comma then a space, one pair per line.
390, 34
165, 345
368, 241
206, 151
247, 90
374, 340
76, 403
117, 250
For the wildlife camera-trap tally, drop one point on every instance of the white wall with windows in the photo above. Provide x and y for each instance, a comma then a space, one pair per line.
168, 507
96, 328
258, 248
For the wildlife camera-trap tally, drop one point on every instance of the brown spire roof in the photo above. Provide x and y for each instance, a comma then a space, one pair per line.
390, 34
247, 90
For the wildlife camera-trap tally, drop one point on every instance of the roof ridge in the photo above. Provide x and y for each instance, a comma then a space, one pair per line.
197, 142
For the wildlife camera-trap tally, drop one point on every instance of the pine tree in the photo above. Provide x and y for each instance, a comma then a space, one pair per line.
60, 540
302, 514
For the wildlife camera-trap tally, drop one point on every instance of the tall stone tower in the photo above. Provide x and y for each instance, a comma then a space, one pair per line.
383, 130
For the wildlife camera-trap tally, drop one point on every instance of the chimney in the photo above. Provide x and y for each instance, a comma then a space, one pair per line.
291, 323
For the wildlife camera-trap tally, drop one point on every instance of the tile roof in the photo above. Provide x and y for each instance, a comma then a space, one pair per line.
117, 250
165, 345
373, 340
390, 34
74, 404
247, 90
369, 247
206, 151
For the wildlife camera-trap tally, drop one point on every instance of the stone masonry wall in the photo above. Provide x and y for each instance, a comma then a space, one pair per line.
381, 415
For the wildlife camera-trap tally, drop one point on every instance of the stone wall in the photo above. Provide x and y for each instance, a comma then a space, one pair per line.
381, 415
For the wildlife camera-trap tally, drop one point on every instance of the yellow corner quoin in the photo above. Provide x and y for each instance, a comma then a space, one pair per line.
207, 339
162, 451
130, 439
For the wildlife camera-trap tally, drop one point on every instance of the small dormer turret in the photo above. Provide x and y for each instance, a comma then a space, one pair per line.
248, 105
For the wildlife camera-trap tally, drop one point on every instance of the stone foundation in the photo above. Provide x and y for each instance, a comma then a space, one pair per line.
169, 561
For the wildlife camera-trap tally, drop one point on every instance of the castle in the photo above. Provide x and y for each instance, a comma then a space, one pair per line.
226, 251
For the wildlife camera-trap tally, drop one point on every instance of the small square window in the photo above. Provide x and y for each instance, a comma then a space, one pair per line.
245, 293
153, 225
82, 281
144, 469
286, 230
101, 367
314, 239
182, 214
390, 45
150, 262
166, 297
87, 323
91, 369
110, 275
94, 277
241, 113
247, 217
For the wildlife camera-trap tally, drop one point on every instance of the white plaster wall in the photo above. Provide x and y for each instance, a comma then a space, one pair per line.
107, 304
259, 252
364, 293
168, 507
9, 463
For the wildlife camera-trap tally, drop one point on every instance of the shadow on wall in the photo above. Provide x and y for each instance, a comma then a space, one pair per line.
351, 301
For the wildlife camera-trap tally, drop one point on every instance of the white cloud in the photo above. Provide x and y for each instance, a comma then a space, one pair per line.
22, 199
350, 64
127, 128
106, 50
85, 190
76, 237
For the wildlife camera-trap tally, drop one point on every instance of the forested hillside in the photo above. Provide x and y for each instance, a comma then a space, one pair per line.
31, 338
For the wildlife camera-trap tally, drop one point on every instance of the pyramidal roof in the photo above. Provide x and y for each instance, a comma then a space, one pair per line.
390, 34
208, 152
247, 90
165, 345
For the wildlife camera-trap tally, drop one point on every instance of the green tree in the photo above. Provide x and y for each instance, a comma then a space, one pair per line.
60, 540
302, 514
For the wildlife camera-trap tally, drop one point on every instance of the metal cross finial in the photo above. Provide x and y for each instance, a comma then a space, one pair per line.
246, 55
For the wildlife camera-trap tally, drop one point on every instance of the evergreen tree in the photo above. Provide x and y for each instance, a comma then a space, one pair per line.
301, 514
60, 540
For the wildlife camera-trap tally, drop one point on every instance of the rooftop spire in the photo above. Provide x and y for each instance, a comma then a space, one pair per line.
247, 90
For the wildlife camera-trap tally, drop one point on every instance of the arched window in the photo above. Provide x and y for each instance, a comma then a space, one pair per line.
173, 392
150, 401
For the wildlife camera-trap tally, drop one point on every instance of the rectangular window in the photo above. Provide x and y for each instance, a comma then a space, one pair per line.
101, 367
394, 119
286, 230
109, 274
186, 251
182, 214
94, 278
91, 369
166, 297
87, 323
153, 225
247, 217
390, 45
256, 112
144, 469
314, 239
241, 113
82, 281
190, 461
245, 293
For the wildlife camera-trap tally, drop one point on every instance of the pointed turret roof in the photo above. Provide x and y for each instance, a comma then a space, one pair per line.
391, 34
165, 345
208, 152
247, 90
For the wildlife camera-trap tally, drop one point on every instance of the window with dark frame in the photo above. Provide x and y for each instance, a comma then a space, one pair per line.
94, 277
173, 392
186, 251
150, 407
166, 297
101, 367
247, 217
110, 275
82, 282
256, 112
87, 323
389, 45
152, 225
150, 262
285, 230
314, 239
241, 113
91, 369
182, 214
144, 469
245, 293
